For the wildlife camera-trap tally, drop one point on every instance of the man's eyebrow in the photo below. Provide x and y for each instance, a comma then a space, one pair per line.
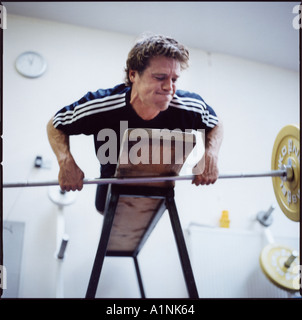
164, 74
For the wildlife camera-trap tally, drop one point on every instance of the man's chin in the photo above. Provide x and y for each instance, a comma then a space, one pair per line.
163, 107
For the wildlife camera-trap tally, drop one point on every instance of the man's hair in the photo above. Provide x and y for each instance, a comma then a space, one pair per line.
154, 46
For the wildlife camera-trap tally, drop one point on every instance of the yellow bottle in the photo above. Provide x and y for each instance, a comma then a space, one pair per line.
224, 221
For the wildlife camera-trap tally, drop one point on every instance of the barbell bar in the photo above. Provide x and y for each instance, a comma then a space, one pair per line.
285, 173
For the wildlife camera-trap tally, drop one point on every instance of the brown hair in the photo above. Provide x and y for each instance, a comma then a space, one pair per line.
154, 46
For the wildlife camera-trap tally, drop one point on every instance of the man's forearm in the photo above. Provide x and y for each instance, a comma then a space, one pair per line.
70, 175
214, 139
59, 142
206, 171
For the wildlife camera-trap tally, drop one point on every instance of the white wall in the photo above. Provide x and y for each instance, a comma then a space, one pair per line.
254, 101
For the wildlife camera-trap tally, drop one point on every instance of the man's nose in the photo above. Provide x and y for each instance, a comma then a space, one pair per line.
168, 85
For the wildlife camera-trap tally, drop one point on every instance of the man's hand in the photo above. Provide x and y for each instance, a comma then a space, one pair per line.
210, 172
70, 175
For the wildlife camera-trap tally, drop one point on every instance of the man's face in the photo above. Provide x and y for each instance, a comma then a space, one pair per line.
156, 86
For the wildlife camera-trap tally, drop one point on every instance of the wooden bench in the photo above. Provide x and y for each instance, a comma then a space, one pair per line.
132, 211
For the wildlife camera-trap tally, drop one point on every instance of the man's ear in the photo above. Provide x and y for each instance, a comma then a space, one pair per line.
132, 75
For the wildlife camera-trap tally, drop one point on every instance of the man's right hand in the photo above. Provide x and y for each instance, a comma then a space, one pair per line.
70, 175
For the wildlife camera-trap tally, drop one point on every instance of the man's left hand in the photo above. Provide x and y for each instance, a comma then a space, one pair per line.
210, 173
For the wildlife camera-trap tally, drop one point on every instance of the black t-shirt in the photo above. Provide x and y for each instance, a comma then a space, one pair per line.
110, 109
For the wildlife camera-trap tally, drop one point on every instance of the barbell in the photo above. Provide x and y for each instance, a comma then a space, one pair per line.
285, 165
284, 173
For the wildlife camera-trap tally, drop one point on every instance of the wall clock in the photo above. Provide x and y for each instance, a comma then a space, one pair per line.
31, 64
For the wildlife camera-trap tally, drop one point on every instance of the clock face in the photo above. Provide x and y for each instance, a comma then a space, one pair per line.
31, 64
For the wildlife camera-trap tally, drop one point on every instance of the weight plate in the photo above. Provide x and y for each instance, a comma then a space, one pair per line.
272, 260
286, 151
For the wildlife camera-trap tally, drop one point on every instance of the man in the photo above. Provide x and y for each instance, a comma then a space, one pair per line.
148, 99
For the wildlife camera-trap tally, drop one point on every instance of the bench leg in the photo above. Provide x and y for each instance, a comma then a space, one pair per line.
181, 246
102, 247
139, 278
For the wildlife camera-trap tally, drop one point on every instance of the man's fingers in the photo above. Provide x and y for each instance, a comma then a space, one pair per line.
80, 185
205, 179
74, 187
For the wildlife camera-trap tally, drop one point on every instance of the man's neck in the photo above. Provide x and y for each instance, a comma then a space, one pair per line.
143, 111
